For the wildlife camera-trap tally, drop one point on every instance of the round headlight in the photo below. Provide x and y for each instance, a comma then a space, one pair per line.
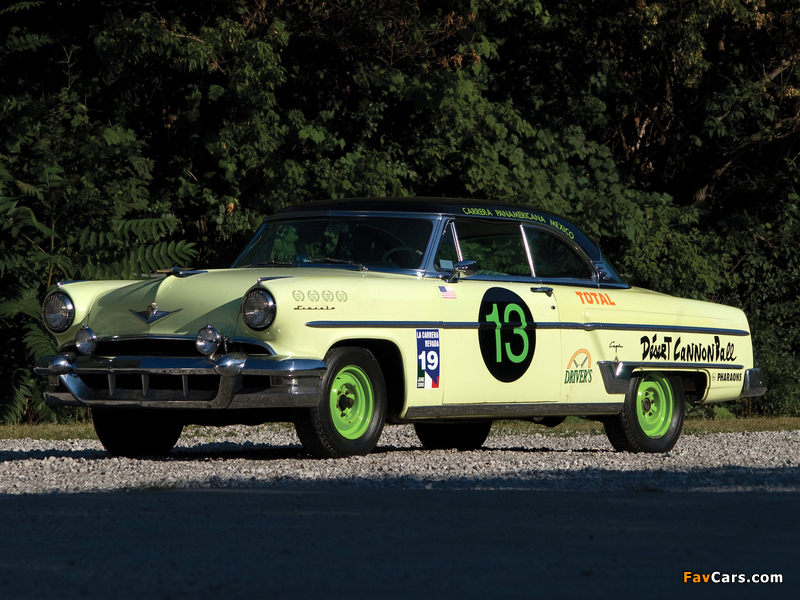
85, 340
258, 309
58, 312
208, 340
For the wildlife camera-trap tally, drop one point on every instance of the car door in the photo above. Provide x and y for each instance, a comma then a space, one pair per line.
501, 338
559, 264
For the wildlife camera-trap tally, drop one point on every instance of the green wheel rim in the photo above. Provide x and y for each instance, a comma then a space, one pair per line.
655, 405
352, 402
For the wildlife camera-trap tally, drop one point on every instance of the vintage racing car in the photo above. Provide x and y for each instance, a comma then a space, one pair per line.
340, 316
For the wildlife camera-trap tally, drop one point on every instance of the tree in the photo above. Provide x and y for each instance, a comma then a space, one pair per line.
668, 129
73, 192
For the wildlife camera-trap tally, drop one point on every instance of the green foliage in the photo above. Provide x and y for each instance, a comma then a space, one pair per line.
74, 198
144, 137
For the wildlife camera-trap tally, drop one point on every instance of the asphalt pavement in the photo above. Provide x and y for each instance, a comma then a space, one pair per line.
339, 542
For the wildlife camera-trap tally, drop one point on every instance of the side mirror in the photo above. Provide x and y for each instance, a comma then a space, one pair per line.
463, 268
466, 268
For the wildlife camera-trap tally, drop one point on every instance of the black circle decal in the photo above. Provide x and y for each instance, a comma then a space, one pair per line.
506, 334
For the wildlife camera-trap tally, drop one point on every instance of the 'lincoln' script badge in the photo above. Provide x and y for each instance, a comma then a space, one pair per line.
152, 314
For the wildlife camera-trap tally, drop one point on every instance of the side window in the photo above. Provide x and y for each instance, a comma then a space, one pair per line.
498, 248
552, 257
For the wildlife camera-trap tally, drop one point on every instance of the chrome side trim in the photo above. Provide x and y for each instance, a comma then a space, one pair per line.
655, 328
617, 375
376, 324
538, 325
414, 325
513, 411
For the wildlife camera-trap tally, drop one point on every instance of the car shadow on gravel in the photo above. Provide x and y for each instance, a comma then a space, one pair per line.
195, 453
89, 454
234, 450
546, 450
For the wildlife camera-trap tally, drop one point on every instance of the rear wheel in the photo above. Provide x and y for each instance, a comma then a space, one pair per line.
135, 433
652, 416
350, 418
461, 436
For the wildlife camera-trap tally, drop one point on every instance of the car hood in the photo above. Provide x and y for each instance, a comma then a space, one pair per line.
172, 305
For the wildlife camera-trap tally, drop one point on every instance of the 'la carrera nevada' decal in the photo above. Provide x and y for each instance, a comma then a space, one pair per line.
506, 334
428, 358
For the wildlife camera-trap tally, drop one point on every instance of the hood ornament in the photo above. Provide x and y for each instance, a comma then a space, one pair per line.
152, 314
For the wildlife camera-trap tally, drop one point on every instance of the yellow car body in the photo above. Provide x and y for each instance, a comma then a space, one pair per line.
445, 313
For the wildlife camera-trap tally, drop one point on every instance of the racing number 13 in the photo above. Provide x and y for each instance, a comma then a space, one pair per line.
506, 334
494, 317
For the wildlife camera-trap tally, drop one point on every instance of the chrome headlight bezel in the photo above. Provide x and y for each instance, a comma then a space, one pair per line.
85, 341
208, 340
258, 309
58, 312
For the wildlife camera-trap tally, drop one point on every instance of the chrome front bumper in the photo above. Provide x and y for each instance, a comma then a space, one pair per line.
228, 381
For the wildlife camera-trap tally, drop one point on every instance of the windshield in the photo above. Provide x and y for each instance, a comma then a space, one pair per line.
360, 241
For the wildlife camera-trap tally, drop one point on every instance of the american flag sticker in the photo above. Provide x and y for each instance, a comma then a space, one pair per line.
447, 292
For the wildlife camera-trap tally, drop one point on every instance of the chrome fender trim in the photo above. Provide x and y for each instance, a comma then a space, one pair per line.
617, 375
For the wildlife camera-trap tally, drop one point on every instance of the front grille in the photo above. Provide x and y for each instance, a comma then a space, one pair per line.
176, 387
147, 347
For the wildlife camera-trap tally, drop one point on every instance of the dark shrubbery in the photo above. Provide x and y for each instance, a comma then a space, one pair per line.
139, 136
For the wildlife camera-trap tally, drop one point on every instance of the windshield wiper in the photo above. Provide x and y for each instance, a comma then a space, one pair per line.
271, 263
335, 261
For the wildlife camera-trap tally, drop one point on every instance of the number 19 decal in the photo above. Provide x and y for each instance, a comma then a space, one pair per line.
506, 334
428, 358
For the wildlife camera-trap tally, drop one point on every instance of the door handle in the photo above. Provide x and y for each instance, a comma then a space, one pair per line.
543, 290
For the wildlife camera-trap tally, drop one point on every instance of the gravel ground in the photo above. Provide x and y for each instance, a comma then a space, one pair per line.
242, 512
270, 456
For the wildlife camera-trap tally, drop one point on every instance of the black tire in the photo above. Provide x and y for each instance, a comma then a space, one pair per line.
469, 435
614, 433
350, 417
652, 416
135, 433
549, 421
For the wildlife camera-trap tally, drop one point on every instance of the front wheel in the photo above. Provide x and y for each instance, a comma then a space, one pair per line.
349, 420
135, 433
652, 416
